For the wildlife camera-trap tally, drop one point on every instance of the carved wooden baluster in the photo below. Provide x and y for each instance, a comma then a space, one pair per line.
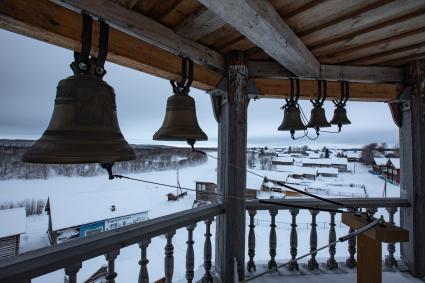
390, 260
351, 260
207, 252
143, 274
293, 239
251, 242
272, 239
331, 263
110, 257
312, 263
190, 257
71, 271
169, 257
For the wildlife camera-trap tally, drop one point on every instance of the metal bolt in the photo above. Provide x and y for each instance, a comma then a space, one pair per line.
99, 70
82, 66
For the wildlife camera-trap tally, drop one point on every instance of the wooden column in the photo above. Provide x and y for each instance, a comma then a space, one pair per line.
232, 132
412, 185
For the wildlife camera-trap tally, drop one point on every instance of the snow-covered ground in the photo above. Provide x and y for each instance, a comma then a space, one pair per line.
152, 198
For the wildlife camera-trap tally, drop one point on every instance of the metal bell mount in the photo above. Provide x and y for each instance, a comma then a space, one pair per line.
180, 121
84, 125
292, 115
318, 117
340, 113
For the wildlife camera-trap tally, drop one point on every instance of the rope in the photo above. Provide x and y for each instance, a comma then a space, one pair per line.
340, 240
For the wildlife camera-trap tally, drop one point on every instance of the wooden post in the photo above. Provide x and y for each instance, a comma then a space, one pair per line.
412, 185
232, 132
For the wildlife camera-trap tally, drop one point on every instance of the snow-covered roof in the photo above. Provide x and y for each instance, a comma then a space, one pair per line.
380, 161
314, 155
327, 170
395, 162
295, 169
318, 161
283, 159
253, 182
339, 161
13, 222
68, 210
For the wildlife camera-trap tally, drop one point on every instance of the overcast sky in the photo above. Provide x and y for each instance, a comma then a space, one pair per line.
30, 71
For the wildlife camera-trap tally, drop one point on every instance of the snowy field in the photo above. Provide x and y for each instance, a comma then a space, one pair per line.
153, 198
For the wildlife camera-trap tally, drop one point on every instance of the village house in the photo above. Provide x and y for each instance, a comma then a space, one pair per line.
277, 160
340, 163
13, 224
379, 164
392, 171
327, 172
93, 214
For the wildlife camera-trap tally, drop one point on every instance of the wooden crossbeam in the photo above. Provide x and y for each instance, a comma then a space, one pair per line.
46, 21
258, 21
148, 30
270, 69
280, 88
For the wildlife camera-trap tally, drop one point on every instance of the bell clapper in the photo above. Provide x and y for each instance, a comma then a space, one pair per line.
108, 167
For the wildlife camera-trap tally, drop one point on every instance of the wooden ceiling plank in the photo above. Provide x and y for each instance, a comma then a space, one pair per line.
362, 21
46, 21
400, 53
383, 46
403, 61
148, 30
199, 24
179, 13
287, 8
280, 88
325, 12
409, 24
259, 22
241, 45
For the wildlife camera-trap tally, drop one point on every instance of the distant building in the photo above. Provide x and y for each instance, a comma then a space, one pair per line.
379, 164
393, 170
340, 163
316, 162
206, 191
13, 224
327, 172
78, 217
287, 160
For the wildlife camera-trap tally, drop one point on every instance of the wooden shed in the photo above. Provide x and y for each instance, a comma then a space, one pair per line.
13, 225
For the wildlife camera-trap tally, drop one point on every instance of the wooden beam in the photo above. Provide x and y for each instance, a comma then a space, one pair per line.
412, 157
258, 21
148, 30
199, 24
371, 74
232, 140
270, 69
280, 88
54, 24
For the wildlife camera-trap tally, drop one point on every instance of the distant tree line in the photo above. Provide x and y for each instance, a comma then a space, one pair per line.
32, 206
147, 159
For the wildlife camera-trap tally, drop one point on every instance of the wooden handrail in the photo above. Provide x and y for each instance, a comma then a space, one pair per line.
42, 261
358, 202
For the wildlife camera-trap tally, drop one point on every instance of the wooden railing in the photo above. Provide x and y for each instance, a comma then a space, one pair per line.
370, 204
70, 255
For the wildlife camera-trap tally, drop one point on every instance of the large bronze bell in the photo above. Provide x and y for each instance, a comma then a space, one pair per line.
318, 118
292, 120
84, 126
340, 117
180, 122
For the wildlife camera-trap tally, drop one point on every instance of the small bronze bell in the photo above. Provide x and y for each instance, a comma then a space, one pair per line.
318, 118
84, 126
340, 117
292, 120
180, 122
